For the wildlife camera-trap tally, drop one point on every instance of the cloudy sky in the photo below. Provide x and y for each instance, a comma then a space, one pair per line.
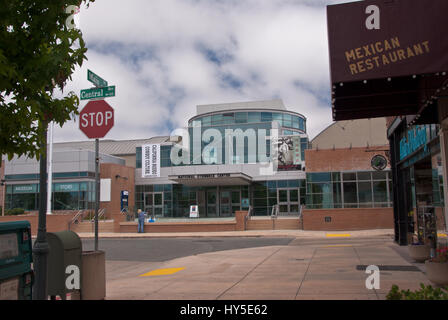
167, 56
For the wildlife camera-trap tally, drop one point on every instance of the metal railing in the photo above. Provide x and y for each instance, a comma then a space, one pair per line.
301, 216
76, 218
101, 214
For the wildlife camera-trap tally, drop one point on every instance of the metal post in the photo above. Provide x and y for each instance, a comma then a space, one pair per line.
41, 248
50, 167
3, 184
97, 189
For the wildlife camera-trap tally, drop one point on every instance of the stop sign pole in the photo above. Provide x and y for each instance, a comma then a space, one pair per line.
95, 120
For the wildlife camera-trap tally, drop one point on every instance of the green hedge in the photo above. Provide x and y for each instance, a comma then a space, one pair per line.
425, 293
15, 212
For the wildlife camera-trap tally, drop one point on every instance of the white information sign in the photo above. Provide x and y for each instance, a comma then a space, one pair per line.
151, 161
194, 212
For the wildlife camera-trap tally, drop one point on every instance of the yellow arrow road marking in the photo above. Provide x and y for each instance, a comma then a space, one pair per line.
161, 272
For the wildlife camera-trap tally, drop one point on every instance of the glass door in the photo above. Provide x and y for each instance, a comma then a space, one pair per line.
211, 203
288, 200
154, 204
225, 204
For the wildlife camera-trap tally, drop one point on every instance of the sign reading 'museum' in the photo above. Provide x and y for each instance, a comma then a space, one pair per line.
151, 161
379, 39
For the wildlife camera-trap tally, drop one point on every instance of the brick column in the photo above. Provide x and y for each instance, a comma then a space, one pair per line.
240, 217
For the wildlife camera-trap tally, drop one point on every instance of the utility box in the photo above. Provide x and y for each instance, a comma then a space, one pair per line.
16, 256
64, 263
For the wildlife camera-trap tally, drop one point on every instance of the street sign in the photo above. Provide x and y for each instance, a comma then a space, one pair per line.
96, 119
96, 79
96, 93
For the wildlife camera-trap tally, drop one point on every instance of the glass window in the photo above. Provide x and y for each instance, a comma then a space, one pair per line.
206, 121
228, 118
241, 117
216, 119
278, 117
350, 194
318, 177
287, 120
379, 175
336, 176
266, 116
364, 176
380, 191
253, 117
365, 191
349, 176
295, 122
301, 124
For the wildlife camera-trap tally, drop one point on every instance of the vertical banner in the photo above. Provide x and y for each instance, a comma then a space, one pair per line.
151, 160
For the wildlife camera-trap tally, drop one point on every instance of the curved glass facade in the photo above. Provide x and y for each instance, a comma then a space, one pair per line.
285, 119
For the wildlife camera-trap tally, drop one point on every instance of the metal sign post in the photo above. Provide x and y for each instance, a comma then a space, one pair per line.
96, 119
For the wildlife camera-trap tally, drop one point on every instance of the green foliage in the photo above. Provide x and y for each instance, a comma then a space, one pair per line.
15, 212
38, 54
425, 293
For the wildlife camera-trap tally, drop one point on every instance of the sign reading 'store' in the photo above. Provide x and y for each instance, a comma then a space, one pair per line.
375, 39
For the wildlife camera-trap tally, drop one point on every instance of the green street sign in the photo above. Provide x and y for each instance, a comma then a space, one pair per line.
96, 93
96, 79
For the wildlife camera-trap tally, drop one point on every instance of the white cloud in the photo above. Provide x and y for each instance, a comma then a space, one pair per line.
155, 53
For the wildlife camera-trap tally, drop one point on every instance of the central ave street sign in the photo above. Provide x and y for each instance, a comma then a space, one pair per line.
96, 119
96, 79
95, 93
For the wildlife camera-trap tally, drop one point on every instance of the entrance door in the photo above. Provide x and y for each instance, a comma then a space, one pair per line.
226, 204
288, 200
211, 203
154, 204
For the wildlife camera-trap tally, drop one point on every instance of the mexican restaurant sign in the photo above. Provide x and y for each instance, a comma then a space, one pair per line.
376, 39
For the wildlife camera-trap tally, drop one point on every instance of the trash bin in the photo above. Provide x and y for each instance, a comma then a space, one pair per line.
16, 275
64, 263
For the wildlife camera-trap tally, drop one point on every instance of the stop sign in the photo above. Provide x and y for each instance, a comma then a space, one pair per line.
96, 119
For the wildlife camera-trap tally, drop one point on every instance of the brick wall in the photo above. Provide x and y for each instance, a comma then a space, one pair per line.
355, 159
131, 227
122, 178
348, 219
55, 222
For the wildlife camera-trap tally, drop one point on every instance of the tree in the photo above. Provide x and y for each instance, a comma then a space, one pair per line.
39, 51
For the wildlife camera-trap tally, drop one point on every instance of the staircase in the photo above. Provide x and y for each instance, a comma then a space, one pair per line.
89, 227
266, 223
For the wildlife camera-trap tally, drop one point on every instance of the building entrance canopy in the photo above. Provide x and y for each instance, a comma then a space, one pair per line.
213, 179
387, 58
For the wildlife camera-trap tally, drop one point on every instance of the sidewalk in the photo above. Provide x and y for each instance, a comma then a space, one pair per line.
301, 270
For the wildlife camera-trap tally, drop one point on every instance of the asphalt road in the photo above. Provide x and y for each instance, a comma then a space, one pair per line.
164, 249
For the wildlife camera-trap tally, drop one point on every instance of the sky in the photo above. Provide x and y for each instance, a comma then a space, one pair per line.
165, 57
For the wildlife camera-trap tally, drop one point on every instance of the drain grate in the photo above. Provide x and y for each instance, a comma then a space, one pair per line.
390, 268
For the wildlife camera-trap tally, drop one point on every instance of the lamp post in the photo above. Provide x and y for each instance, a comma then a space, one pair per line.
41, 248
3, 184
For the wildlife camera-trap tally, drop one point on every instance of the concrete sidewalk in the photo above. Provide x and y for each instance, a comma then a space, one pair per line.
333, 268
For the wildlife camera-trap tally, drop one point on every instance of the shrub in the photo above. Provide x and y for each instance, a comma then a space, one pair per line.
15, 212
425, 293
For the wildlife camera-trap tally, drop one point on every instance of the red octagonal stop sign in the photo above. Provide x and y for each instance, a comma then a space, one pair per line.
96, 119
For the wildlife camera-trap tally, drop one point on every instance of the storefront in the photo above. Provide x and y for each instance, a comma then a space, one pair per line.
380, 68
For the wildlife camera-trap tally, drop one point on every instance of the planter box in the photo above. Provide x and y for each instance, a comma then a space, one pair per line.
437, 272
419, 253
93, 278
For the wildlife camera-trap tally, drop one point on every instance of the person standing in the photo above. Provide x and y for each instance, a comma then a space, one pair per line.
141, 221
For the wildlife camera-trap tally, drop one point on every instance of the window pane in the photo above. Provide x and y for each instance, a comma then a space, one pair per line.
349, 176
241, 117
278, 117
266, 117
254, 117
364, 176
287, 120
206, 121
379, 175
379, 191
350, 192
318, 177
293, 195
295, 122
217, 119
364, 192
